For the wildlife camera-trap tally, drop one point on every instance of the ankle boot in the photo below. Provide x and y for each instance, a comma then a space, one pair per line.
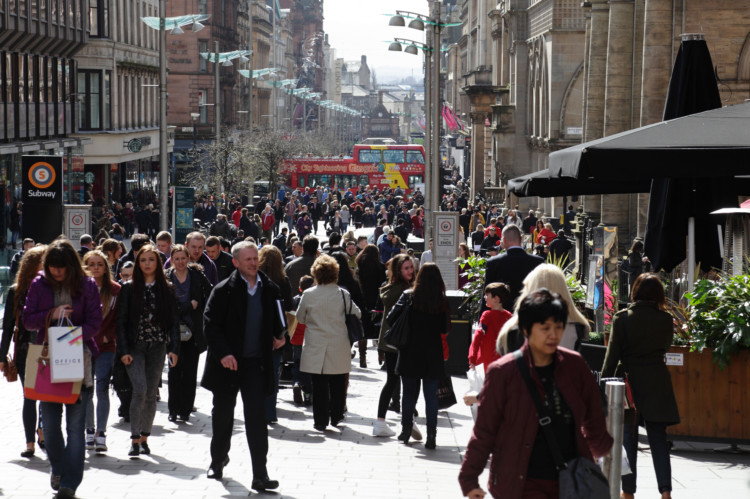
430, 442
405, 433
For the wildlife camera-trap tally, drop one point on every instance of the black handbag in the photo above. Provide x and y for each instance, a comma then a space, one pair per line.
445, 394
397, 336
353, 324
580, 478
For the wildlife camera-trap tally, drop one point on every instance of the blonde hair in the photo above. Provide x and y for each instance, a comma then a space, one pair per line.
547, 276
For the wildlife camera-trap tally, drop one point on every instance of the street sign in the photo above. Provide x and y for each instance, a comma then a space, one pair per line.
445, 246
77, 219
42, 197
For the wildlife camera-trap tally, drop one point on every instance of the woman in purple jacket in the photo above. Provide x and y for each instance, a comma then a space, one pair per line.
507, 424
63, 290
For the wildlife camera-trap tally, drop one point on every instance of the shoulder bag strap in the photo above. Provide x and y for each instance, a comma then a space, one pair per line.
343, 298
543, 411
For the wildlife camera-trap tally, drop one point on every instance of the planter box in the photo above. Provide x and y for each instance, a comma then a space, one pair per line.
713, 404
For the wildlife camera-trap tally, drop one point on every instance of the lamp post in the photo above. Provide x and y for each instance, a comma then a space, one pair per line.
432, 95
162, 23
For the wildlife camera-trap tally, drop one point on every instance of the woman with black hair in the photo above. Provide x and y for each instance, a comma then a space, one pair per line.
371, 274
350, 283
148, 325
508, 424
420, 362
63, 291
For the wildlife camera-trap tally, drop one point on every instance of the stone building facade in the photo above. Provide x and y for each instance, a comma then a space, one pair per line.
631, 46
538, 55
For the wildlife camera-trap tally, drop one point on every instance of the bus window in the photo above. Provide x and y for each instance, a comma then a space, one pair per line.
364, 180
300, 180
393, 156
415, 179
415, 157
316, 180
369, 156
345, 181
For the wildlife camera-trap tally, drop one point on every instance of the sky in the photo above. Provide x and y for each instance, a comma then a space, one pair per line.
360, 27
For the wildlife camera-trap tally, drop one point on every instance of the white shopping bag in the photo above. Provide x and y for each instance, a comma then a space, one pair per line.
66, 351
476, 381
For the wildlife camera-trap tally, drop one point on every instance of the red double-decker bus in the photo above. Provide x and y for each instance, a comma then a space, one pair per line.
378, 166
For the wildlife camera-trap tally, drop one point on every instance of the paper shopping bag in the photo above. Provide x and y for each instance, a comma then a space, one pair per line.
38, 383
66, 353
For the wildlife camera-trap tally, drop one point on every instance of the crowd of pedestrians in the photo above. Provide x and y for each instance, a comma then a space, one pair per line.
254, 289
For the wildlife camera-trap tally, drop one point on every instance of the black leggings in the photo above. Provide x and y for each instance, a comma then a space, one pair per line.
392, 387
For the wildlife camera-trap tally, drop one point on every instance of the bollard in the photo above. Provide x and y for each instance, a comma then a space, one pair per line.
615, 391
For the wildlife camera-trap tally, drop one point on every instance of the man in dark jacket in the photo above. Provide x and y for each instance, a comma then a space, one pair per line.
221, 227
195, 242
243, 324
512, 266
560, 247
221, 259
302, 265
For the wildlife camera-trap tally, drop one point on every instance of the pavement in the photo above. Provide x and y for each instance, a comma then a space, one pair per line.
342, 462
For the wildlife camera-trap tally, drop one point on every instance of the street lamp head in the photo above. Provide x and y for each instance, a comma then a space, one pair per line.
244, 59
177, 31
227, 63
417, 24
411, 49
397, 21
197, 26
195, 116
395, 47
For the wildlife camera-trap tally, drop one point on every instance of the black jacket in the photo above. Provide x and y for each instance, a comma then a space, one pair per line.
224, 327
224, 265
200, 289
127, 321
511, 268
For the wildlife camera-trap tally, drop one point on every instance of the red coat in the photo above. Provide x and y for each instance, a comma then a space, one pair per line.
482, 349
267, 220
507, 422
236, 217
546, 236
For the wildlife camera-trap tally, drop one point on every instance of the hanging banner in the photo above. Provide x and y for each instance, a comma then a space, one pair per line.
42, 182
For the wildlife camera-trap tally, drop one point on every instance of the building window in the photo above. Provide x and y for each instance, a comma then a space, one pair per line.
202, 62
94, 94
99, 18
202, 6
203, 109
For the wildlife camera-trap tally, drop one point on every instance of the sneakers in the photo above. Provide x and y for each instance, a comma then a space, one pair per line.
415, 433
381, 429
101, 443
90, 441
297, 394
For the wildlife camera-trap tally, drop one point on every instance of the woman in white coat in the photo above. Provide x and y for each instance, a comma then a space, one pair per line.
326, 351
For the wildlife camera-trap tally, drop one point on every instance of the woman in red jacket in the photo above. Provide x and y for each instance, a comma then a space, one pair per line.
507, 425
97, 266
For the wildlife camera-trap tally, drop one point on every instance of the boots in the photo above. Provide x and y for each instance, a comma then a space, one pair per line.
430, 442
405, 433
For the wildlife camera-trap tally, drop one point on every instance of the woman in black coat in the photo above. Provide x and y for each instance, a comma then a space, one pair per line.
192, 289
421, 360
350, 283
371, 274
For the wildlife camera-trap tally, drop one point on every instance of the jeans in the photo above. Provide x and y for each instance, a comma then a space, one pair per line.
409, 401
657, 440
66, 458
270, 403
28, 413
252, 388
289, 222
392, 385
182, 380
103, 374
298, 376
329, 398
145, 374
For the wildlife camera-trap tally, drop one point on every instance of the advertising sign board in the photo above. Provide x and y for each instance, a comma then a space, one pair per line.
42, 197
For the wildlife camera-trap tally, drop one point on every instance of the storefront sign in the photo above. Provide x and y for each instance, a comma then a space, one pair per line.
183, 202
134, 145
42, 197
